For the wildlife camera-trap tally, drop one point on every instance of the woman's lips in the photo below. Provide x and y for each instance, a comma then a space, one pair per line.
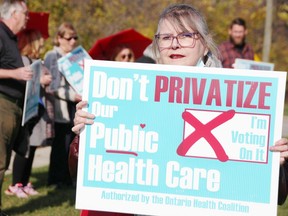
176, 56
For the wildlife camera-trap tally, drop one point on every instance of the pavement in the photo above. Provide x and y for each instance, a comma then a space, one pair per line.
42, 154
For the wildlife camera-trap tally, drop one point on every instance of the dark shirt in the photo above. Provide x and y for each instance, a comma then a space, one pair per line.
145, 59
283, 184
10, 58
229, 52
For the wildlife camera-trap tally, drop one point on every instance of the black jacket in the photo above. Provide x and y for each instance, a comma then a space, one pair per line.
283, 184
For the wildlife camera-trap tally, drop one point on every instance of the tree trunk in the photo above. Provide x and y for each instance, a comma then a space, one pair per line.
267, 31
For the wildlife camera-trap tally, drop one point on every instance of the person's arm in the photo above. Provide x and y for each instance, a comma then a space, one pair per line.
66, 92
282, 147
45, 78
283, 184
59, 87
22, 73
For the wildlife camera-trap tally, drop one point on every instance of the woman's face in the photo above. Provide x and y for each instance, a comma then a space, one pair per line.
177, 55
68, 42
125, 55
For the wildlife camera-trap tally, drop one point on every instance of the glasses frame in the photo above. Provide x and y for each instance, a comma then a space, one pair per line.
193, 34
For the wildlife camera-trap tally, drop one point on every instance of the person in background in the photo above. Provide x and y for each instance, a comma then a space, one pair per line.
147, 56
123, 53
30, 43
64, 106
236, 46
182, 38
13, 75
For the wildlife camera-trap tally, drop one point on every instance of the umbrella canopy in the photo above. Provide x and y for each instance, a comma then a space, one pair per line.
104, 47
38, 21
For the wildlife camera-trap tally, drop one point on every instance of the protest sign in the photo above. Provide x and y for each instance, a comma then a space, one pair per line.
169, 139
32, 93
253, 65
72, 67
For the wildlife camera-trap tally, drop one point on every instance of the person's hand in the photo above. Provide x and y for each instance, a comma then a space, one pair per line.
23, 73
82, 117
78, 98
45, 79
282, 147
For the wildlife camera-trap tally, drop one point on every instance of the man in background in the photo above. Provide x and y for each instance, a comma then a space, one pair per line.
13, 74
236, 46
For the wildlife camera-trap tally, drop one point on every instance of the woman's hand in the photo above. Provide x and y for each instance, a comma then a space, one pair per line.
78, 98
82, 117
22, 73
45, 79
282, 147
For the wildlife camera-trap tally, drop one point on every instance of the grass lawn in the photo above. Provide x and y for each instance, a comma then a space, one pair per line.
54, 202
50, 201
283, 210
286, 109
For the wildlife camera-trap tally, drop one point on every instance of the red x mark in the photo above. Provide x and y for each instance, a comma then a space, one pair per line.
204, 130
81, 64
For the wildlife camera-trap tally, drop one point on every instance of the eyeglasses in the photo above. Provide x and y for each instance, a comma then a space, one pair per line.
185, 39
70, 38
124, 56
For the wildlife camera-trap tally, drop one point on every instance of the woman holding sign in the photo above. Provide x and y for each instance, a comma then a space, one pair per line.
64, 105
182, 38
192, 45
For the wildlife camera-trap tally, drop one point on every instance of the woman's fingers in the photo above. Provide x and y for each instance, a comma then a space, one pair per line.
282, 147
283, 141
83, 117
77, 128
81, 105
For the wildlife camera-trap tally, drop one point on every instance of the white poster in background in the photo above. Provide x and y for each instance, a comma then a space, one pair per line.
170, 140
32, 93
253, 65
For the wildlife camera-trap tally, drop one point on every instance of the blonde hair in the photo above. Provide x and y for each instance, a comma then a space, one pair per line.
30, 43
63, 28
181, 15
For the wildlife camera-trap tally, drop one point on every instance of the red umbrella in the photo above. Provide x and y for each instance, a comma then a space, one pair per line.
38, 21
103, 48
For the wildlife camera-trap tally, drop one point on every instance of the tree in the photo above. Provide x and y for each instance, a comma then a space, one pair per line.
268, 31
94, 19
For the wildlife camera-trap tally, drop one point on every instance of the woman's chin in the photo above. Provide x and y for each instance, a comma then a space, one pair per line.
183, 62
175, 62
